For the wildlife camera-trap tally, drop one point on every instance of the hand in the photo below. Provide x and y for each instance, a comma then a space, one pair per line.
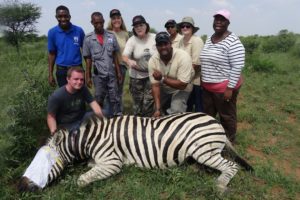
228, 94
89, 82
157, 75
51, 80
156, 114
132, 64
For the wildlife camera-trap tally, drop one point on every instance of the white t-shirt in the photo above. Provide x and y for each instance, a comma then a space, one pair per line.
140, 50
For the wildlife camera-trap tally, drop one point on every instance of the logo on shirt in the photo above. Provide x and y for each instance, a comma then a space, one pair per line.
147, 54
110, 40
76, 39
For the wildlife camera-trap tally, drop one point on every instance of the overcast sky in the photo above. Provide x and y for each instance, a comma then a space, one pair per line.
248, 17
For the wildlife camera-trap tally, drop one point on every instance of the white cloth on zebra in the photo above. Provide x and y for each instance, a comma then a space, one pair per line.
41, 165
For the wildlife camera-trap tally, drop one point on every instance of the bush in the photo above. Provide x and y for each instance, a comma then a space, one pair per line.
296, 50
283, 42
251, 43
257, 64
27, 109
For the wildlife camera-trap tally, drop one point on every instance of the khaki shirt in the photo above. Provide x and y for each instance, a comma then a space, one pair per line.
179, 67
193, 48
122, 38
175, 42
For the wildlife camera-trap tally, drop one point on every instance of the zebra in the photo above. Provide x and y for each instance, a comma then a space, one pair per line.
145, 142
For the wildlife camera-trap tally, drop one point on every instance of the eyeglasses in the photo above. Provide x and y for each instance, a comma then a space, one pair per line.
168, 27
186, 26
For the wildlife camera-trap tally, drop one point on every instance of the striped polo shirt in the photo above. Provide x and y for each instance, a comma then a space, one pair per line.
223, 61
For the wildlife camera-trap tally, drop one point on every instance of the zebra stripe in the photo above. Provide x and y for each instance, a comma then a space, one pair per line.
145, 142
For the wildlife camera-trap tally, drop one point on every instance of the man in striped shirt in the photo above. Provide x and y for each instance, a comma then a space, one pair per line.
222, 60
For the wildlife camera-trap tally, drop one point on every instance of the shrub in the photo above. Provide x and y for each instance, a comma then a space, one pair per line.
27, 109
255, 63
283, 42
296, 50
251, 43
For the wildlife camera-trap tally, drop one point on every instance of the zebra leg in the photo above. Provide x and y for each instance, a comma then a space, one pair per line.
216, 161
99, 171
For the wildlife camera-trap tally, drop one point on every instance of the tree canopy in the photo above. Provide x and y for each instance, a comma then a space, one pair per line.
17, 20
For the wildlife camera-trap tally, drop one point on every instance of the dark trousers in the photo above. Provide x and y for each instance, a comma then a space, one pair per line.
61, 74
214, 104
194, 103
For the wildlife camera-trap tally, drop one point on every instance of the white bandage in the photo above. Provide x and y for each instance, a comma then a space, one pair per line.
41, 165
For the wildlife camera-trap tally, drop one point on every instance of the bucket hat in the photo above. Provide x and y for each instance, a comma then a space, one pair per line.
190, 21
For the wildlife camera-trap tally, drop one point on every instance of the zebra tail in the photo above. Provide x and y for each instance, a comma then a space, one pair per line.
237, 158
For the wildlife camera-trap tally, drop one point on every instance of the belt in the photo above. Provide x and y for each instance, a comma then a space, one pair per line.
60, 67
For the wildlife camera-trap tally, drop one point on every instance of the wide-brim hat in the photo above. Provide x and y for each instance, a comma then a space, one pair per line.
190, 21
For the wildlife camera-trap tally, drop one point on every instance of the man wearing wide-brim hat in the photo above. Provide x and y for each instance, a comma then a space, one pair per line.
193, 45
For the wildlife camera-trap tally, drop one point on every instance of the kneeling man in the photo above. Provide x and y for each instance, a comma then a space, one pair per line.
170, 73
66, 106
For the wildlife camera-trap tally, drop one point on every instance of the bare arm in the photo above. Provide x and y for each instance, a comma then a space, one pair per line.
96, 108
174, 83
88, 73
51, 62
117, 67
51, 121
130, 63
156, 96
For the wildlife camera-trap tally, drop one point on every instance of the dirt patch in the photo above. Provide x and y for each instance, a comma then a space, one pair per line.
283, 165
244, 125
256, 153
286, 168
291, 119
272, 141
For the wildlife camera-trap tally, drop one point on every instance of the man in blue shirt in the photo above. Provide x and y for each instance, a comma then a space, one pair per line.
64, 43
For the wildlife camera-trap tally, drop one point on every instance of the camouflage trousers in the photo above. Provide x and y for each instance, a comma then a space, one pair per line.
141, 92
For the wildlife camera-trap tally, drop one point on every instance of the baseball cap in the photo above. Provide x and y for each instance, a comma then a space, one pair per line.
139, 19
114, 12
225, 13
171, 22
162, 37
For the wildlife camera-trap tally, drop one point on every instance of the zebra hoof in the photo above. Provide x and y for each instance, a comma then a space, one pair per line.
221, 189
81, 182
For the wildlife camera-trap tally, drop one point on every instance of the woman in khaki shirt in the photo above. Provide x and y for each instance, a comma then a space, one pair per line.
192, 45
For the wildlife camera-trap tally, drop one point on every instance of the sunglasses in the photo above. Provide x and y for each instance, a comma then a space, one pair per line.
186, 26
168, 27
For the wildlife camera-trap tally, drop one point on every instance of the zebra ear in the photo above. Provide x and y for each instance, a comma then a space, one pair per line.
58, 137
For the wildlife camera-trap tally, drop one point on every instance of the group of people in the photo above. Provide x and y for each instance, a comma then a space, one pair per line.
170, 72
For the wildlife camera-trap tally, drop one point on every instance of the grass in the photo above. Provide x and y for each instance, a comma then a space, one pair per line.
268, 137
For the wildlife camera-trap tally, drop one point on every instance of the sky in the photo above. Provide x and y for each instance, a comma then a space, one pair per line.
248, 17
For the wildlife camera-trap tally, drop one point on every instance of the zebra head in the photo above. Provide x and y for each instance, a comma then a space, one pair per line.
47, 165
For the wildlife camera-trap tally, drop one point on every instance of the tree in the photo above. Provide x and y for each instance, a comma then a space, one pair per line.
18, 20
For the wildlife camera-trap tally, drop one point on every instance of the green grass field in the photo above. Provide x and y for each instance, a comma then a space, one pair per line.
268, 137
